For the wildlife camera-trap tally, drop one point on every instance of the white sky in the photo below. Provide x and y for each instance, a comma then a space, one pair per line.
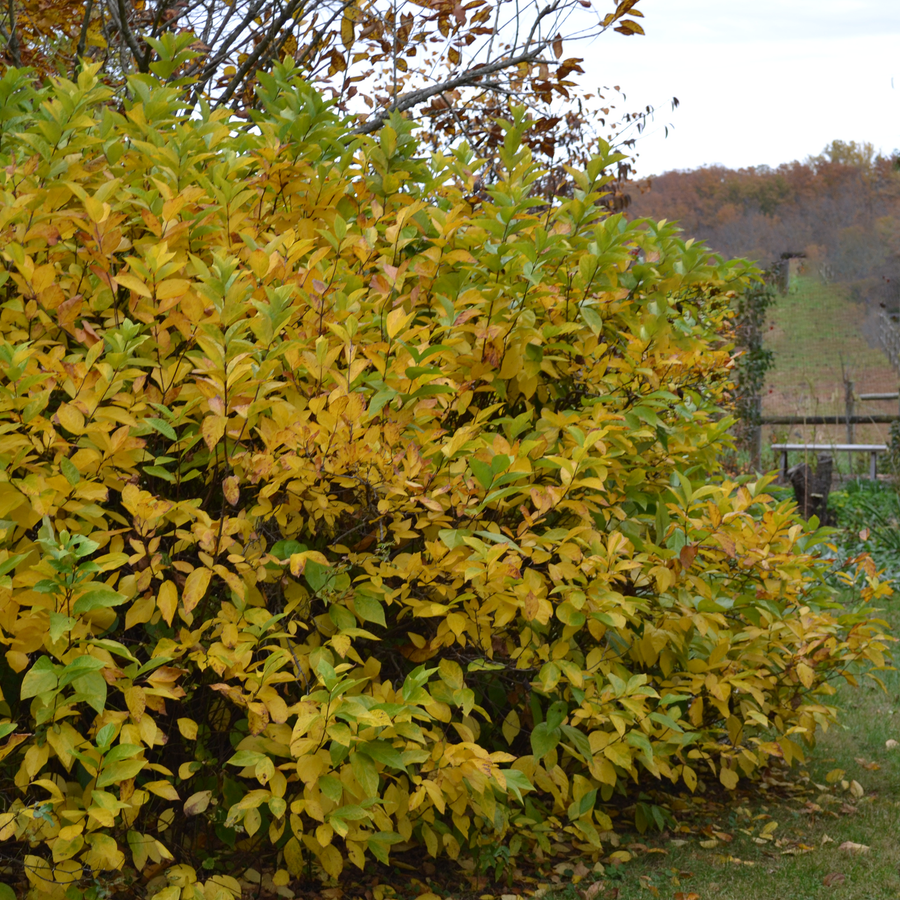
759, 81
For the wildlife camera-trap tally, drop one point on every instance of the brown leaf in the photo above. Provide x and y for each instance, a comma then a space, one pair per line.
833, 878
853, 847
688, 555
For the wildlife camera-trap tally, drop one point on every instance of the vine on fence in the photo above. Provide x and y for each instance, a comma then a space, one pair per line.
753, 360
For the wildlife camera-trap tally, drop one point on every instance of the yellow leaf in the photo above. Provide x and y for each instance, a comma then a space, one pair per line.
162, 789
231, 490
511, 726
188, 728
140, 611
729, 778
618, 754
331, 860
197, 803
857, 790
396, 319
347, 31
805, 674
619, 857
136, 701
167, 600
97, 210
70, 418
172, 287
133, 284
834, 775
212, 428
195, 588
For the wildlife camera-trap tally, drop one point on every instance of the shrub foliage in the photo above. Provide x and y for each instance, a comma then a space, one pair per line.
345, 509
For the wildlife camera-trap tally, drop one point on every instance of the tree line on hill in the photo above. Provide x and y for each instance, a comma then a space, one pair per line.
840, 209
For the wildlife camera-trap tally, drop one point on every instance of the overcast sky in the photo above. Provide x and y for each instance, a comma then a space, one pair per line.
759, 81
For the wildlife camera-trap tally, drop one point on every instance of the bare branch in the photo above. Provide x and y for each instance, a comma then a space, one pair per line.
82, 38
11, 38
472, 76
252, 59
120, 18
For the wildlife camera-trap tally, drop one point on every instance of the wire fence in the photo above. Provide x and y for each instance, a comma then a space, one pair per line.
836, 362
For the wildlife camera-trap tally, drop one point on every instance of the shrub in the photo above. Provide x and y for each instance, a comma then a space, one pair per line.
344, 509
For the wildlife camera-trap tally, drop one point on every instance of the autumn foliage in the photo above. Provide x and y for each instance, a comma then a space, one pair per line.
348, 510
840, 209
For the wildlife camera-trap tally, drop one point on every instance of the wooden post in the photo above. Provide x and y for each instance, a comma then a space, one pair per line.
848, 402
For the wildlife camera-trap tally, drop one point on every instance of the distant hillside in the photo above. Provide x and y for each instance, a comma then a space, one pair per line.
841, 209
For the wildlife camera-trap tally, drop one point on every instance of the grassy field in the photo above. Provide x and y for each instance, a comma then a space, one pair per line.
819, 335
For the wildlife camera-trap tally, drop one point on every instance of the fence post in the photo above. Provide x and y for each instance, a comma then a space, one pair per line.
848, 400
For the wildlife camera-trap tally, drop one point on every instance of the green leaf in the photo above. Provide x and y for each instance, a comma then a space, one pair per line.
368, 607
70, 470
544, 739
482, 472
383, 752
246, 758
283, 550
9, 564
105, 735
79, 666
579, 740
317, 576
97, 597
41, 678
579, 807
120, 752
91, 689
365, 773
556, 714
163, 427
332, 788
379, 844
120, 771
517, 782
60, 625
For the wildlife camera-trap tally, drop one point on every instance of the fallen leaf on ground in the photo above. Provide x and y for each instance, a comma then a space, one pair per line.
891, 744
856, 789
591, 890
871, 766
852, 847
827, 840
834, 878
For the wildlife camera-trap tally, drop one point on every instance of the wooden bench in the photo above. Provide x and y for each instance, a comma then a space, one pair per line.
872, 449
